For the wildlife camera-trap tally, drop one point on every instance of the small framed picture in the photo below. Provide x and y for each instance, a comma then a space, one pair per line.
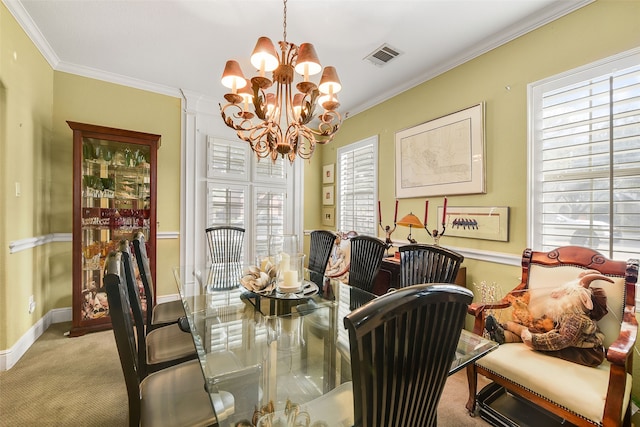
327, 195
327, 174
327, 217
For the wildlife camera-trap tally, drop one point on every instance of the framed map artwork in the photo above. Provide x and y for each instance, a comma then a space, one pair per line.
443, 156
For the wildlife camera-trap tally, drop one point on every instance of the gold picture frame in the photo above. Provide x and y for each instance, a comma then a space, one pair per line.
327, 195
328, 217
328, 174
443, 156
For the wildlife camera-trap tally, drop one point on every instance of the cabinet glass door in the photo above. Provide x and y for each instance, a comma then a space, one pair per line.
115, 204
114, 192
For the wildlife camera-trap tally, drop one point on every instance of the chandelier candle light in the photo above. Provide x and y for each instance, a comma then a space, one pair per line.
284, 127
435, 233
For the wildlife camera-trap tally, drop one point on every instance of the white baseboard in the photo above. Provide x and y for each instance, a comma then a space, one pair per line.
10, 357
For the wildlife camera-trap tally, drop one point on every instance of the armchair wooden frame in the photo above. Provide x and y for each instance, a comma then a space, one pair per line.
619, 356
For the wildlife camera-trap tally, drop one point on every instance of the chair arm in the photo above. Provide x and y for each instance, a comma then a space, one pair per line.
622, 347
477, 310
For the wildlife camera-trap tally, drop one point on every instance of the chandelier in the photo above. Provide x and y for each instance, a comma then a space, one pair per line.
282, 119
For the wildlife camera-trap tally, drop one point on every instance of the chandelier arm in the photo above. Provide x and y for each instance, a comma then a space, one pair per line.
280, 109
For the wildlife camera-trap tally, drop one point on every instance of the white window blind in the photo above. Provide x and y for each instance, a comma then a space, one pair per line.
269, 215
357, 177
227, 160
585, 159
245, 192
226, 204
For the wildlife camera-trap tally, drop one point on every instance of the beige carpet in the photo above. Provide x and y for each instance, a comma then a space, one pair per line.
63, 381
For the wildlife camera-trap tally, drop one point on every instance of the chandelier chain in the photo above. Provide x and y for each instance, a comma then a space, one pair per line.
284, 24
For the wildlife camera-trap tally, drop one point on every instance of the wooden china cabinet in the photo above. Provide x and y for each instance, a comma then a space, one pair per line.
114, 196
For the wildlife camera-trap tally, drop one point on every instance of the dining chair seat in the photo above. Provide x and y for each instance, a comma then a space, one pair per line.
167, 312
176, 397
168, 344
157, 314
172, 397
158, 348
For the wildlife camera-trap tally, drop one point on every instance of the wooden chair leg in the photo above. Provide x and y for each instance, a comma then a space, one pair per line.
472, 379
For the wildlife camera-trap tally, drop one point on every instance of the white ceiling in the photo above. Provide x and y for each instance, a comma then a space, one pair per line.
173, 45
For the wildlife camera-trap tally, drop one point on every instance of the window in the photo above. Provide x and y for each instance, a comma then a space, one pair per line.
584, 168
357, 178
245, 192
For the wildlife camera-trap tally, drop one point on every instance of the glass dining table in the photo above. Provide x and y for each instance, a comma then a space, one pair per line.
274, 352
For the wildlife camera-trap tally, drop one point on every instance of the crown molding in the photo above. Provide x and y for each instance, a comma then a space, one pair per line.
560, 9
20, 14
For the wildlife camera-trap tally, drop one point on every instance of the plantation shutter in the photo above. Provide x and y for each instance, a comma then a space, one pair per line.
357, 186
585, 160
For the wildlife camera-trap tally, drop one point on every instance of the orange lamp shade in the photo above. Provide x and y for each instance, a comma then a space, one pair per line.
329, 82
232, 76
264, 56
307, 63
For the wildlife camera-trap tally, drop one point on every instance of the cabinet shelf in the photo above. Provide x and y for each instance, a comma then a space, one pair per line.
114, 196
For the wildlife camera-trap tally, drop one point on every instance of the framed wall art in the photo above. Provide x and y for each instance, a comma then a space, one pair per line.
443, 156
488, 223
327, 174
328, 218
327, 195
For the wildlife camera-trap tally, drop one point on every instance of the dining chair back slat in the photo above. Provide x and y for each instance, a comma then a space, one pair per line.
402, 345
225, 251
320, 247
225, 244
420, 263
366, 258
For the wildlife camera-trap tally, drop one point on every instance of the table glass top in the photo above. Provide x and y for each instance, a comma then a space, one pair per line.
267, 351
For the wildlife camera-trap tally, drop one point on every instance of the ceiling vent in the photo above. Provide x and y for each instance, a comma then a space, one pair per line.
382, 55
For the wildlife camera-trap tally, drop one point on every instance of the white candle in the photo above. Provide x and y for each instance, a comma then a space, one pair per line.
285, 263
290, 278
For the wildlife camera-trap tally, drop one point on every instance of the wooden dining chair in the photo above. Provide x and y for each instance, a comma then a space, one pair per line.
157, 314
320, 247
365, 260
225, 252
402, 345
421, 263
173, 397
158, 348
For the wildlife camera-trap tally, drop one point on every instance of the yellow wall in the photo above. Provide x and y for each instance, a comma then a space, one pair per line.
85, 100
26, 100
597, 31
36, 151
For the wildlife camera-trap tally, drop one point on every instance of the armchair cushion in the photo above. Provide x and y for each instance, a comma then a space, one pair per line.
556, 379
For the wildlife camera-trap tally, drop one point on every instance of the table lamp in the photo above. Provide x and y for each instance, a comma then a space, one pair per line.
410, 220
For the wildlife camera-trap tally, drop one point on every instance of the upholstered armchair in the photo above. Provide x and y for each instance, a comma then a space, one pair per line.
579, 394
